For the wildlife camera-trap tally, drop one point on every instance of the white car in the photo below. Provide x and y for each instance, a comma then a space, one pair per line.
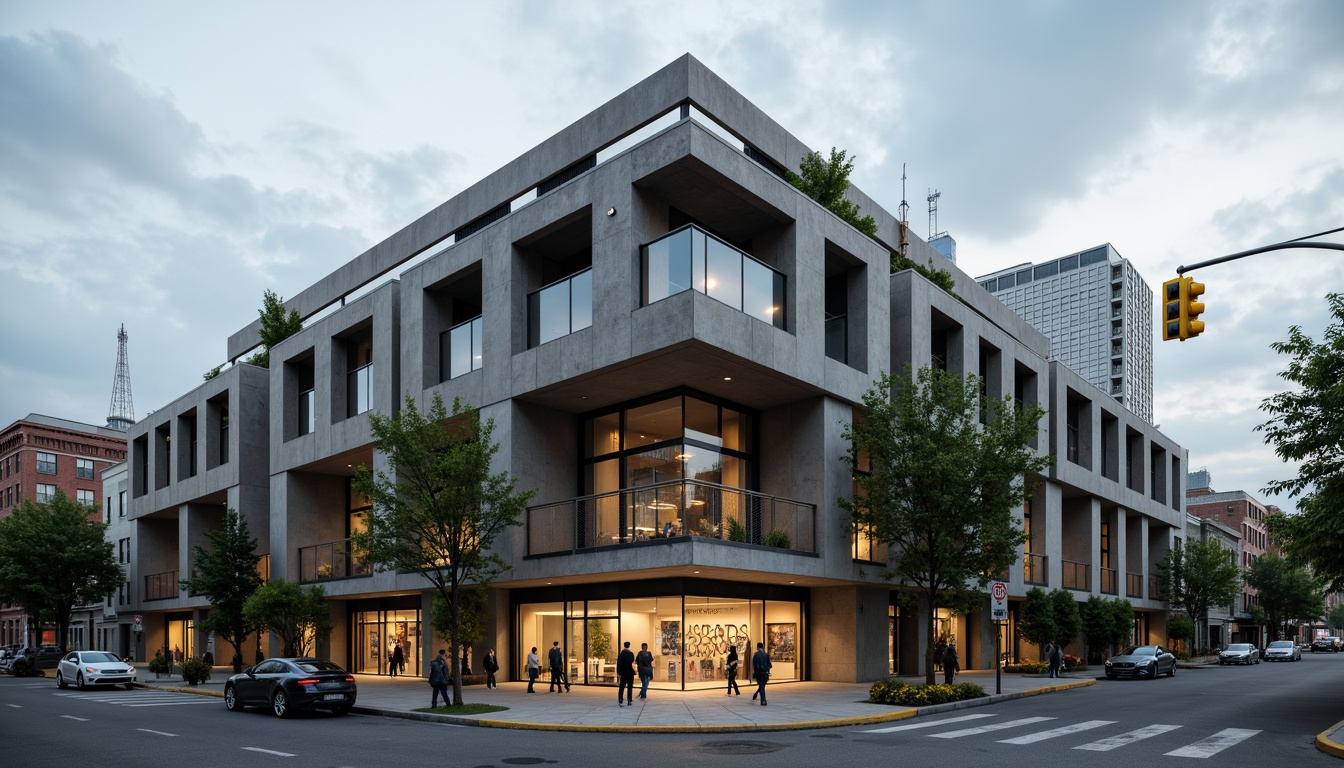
1239, 653
1283, 650
85, 668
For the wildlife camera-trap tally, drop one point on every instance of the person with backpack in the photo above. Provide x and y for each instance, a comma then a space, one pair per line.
438, 679
491, 665
760, 670
557, 660
644, 664
731, 669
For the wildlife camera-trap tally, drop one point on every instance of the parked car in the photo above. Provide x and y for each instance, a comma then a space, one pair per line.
290, 685
85, 668
1239, 653
30, 659
1283, 650
1325, 645
1141, 661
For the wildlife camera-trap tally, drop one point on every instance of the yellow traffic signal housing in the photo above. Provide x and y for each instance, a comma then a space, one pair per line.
1180, 310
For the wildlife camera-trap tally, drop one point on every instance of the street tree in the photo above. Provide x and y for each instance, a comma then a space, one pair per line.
1106, 624
1180, 627
53, 557
474, 618
1037, 621
939, 470
827, 181
1287, 593
1068, 620
298, 616
1197, 576
439, 509
1306, 426
1335, 619
276, 326
226, 575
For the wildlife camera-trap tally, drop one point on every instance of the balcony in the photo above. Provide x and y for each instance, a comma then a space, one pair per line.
1110, 581
560, 308
1036, 569
1134, 585
460, 349
331, 561
675, 510
161, 586
359, 390
307, 413
1077, 575
1155, 589
837, 337
691, 259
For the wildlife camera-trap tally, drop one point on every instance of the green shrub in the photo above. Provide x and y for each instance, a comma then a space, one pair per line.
195, 671
160, 665
889, 691
735, 530
777, 537
1028, 667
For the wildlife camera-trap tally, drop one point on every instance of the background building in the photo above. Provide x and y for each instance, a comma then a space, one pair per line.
1097, 311
1221, 624
1241, 512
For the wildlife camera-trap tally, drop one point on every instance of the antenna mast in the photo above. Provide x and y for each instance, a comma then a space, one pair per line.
905, 218
933, 214
121, 414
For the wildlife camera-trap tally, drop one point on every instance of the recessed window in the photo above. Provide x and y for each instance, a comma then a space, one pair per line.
84, 497
84, 469
46, 463
45, 493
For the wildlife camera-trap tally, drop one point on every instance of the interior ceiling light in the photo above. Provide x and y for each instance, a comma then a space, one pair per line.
727, 378
683, 456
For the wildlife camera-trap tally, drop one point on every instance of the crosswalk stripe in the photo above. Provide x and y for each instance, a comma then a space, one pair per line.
988, 728
1032, 738
171, 703
1214, 744
1106, 745
930, 724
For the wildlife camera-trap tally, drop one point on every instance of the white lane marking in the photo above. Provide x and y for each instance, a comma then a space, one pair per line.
988, 728
1106, 745
267, 751
16, 706
160, 733
1032, 738
930, 724
171, 703
72, 717
1214, 744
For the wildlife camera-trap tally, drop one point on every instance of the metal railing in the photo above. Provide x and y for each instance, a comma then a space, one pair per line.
1155, 589
1077, 575
676, 509
1036, 569
332, 560
1110, 579
1134, 585
161, 586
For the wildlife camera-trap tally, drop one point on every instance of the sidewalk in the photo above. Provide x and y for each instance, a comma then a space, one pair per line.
792, 705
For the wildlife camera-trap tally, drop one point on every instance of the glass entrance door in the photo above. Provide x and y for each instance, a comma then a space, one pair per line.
376, 636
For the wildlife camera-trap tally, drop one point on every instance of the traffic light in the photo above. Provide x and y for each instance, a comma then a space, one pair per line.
1180, 310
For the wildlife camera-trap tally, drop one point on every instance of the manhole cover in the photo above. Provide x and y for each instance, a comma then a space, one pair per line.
523, 760
741, 747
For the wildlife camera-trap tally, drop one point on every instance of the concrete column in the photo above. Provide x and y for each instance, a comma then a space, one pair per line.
1094, 508
1053, 518
848, 632
1119, 552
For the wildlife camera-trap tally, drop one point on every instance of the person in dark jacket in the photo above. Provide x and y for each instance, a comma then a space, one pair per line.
556, 657
644, 664
1056, 660
438, 679
491, 665
398, 661
950, 664
731, 668
625, 675
760, 669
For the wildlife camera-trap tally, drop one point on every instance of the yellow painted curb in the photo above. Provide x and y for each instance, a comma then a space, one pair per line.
186, 689
885, 717
1061, 687
1327, 745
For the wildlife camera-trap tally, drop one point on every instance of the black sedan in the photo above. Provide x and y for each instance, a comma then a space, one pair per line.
1147, 661
290, 685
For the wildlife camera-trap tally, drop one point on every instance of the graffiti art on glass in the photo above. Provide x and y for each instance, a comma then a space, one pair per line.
781, 642
669, 639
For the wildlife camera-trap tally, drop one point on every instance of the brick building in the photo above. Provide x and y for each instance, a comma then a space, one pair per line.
1241, 512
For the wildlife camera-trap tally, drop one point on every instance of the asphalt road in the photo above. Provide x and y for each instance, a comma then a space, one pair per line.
1261, 715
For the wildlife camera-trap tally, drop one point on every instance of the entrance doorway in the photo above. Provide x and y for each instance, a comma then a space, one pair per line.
376, 636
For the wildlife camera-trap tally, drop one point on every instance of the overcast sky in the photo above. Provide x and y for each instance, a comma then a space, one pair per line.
162, 164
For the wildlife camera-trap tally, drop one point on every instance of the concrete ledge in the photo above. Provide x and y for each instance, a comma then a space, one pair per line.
1329, 746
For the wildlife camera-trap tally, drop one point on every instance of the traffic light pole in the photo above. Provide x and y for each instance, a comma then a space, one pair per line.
1181, 270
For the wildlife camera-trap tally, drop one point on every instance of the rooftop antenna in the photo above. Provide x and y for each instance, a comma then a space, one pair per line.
121, 414
933, 214
905, 218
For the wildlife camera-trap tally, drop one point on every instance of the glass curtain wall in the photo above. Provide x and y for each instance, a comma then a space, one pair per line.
376, 635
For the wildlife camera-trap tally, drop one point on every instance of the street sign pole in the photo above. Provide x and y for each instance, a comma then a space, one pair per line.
998, 593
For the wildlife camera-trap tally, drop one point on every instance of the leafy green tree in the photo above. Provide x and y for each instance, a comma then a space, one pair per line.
1068, 620
1122, 622
53, 557
939, 277
1335, 618
213, 372
1037, 621
1287, 593
1197, 576
226, 574
276, 326
1180, 627
827, 181
439, 510
947, 471
475, 617
1306, 426
296, 615
1107, 623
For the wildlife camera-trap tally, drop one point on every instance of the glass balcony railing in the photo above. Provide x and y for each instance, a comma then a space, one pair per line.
460, 349
161, 586
560, 308
1077, 575
691, 259
307, 413
1134, 585
837, 337
1110, 581
1035, 569
359, 390
673, 510
330, 561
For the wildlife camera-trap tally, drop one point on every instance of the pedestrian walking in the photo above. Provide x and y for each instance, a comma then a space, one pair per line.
950, 664
731, 668
760, 670
557, 659
398, 661
438, 679
625, 675
491, 665
533, 669
644, 664
1056, 660
938, 651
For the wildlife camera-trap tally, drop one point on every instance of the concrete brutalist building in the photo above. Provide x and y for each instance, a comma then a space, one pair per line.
668, 337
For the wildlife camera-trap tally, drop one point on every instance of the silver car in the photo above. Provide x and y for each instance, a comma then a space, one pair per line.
1239, 653
1283, 650
85, 668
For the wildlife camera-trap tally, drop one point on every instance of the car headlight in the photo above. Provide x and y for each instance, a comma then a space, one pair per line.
1108, 662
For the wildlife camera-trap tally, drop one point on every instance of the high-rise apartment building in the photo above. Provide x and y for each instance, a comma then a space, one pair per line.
1098, 313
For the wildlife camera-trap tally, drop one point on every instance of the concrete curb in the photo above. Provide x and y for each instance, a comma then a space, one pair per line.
1328, 745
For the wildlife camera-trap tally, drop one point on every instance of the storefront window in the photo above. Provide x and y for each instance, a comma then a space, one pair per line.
539, 625
377, 634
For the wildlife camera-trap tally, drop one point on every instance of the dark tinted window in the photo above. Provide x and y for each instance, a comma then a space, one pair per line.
317, 666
